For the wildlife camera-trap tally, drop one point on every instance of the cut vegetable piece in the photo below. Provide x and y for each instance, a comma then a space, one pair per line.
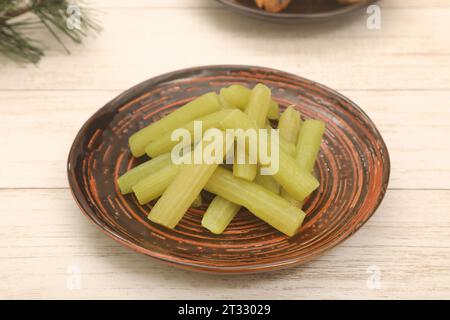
245, 171
165, 144
298, 182
153, 186
259, 104
289, 125
181, 193
224, 102
287, 147
237, 119
266, 205
308, 145
219, 215
268, 182
203, 105
238, 96
244, 168
274, 111
288, 197
133, 176
257, 109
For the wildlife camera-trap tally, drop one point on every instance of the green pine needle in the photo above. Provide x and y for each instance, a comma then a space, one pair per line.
16, 17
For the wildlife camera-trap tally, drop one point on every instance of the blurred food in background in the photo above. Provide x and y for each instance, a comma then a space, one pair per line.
272, 5
279, 5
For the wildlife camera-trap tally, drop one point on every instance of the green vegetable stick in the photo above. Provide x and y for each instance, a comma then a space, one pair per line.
298, 182
287, 146
289, 125
237, 119
288, 197
274, 111
133, 176
257, 110
245, 171
219, 215
266, 205
181, 193
268, 182
203, 105
239, 96
221, 212
308, 145
153, 186
224, 102
165, 144
259, 104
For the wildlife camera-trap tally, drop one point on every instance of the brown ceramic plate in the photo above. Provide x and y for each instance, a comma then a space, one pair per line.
299, 10
353, 169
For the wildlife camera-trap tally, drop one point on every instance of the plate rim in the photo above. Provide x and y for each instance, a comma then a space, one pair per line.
280, 16
84, 207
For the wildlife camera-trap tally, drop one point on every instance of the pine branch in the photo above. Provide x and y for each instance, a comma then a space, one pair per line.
55, 15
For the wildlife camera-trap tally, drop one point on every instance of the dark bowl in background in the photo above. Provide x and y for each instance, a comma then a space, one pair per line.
299, 11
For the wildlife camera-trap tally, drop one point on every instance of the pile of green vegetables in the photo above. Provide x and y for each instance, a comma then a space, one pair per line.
276, 199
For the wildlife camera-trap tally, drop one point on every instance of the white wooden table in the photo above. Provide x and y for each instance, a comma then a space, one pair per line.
400, 75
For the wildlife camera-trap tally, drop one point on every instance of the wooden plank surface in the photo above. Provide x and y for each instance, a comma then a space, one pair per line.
415, 126
138, 43
400, 75
44, 236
